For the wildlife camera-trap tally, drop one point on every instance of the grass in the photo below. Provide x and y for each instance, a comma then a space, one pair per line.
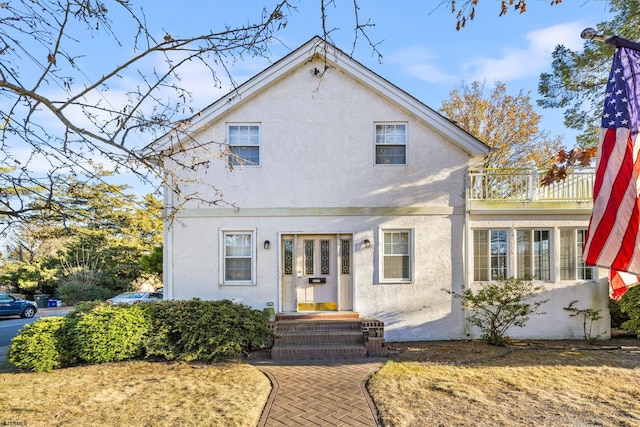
531, 384
135, 393
447, 383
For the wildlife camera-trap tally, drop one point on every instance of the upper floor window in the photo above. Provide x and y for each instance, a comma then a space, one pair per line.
489, 255
572, 267
391, 144
244, 145
534, 254
396, 255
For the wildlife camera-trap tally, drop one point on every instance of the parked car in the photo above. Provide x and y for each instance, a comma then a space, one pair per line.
14, 306
135, 298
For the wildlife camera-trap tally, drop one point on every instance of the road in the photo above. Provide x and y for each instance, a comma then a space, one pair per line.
10, 326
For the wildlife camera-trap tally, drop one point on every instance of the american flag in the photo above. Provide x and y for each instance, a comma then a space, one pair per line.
613, 237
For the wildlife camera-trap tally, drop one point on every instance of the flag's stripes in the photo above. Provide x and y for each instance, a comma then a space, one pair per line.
614, 200
613, 236
619, 282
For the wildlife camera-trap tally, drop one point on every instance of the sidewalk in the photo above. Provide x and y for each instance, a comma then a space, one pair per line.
319, 393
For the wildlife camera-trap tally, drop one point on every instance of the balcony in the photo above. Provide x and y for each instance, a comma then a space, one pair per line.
514, 189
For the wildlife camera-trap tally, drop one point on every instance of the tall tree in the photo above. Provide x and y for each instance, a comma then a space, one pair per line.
578, 79
61, 117
105, 232
506, 123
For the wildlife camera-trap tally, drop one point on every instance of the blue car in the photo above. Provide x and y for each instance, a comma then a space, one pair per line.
14, 306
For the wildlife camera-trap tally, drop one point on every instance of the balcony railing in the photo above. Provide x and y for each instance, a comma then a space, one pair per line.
524, 185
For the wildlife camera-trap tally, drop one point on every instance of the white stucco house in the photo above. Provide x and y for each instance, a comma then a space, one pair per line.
353, 196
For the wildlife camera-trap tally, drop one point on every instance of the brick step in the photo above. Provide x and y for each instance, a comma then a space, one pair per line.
326, 351
349, 336
317, 325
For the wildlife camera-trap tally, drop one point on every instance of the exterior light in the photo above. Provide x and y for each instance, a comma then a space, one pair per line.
267, 244
367, 243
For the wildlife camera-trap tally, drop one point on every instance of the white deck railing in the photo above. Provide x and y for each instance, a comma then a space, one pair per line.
525, 185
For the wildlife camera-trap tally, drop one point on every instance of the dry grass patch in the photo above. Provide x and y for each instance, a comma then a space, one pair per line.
527, 384
136, 393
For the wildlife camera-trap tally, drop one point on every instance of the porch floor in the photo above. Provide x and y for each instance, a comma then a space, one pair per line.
318, 315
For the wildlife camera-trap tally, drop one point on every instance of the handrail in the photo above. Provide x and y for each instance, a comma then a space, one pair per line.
525, 185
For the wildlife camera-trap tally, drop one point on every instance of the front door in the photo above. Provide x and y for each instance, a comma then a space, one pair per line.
314, 276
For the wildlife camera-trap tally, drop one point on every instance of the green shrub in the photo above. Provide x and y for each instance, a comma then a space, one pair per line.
109, 333
67, 335
617, 316
498, 305
36, 347
630, 305
72, 293
205, 330
589, 315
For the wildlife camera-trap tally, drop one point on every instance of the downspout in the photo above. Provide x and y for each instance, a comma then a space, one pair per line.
466, 230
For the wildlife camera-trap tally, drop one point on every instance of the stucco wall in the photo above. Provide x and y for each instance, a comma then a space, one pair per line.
317, 150
317, 175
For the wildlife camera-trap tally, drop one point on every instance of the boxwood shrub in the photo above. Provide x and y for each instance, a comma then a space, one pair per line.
110, 333
37, 347
96, 333
205, 330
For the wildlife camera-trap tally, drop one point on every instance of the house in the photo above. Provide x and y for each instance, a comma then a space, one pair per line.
351, 195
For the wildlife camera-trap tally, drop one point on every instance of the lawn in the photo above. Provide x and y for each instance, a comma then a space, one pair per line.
469, 383
445, 383
135, 393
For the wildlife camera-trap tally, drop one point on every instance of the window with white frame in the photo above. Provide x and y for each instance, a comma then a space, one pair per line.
391, 143
490, 251
572, 267
396, 256
238, 257
244, 144
534, 254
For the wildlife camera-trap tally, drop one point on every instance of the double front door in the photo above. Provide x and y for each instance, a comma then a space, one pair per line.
316, 272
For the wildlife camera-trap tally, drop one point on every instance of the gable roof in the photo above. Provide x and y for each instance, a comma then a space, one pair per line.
337, 58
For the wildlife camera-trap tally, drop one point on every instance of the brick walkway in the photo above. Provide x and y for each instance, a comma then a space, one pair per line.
319, 393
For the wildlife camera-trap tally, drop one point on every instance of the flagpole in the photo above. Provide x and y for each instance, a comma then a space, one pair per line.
615, 41
592, 34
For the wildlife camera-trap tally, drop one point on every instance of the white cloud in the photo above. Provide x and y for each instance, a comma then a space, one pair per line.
529, 61
421, 63
510, 63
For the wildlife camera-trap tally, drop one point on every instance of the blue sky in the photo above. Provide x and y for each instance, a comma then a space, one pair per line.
422, 52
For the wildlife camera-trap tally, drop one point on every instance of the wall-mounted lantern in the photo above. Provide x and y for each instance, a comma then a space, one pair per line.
267, 244
367, 243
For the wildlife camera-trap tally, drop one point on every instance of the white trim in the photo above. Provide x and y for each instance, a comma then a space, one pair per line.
380, 247
330, 211
259, 145
167, 245
222, 258
406, 142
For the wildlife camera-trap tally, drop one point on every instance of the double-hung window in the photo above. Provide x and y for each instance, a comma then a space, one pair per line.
238, 257
397, 256
489, 255
534, 254
244, 145
391, 143
572, 267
